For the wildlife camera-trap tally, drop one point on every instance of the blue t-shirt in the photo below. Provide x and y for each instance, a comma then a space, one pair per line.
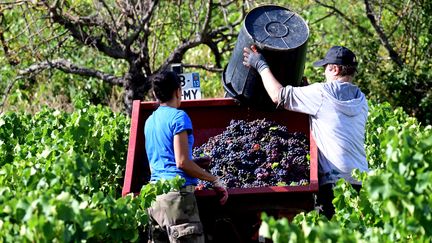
159, 131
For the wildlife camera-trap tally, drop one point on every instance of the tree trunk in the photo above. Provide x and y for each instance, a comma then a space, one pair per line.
136, 86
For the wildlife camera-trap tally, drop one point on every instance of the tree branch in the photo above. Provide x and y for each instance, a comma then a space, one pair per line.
206, 36
229, 26
207, 17
205, 67
110, 14
322, 18
9, 54
6, 93
68, 67
383, 38
76, 26
142, 24
12, 2
178, 53
218, 57
337, 11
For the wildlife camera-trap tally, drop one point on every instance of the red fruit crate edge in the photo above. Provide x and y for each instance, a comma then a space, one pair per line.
209, 118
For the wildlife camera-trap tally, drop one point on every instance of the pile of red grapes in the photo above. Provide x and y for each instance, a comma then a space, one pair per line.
259, 153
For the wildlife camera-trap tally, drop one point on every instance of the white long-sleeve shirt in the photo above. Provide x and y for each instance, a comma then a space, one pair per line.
338, 114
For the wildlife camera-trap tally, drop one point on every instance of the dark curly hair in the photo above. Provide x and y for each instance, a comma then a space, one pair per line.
164, 84
347, 70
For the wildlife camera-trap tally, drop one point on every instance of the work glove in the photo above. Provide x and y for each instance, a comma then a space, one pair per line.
220, 188
252, 58
203, 162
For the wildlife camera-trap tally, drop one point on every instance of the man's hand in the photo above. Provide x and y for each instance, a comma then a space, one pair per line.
203, 162
252, 58
220, 188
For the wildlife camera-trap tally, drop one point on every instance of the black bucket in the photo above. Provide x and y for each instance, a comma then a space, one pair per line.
281, 36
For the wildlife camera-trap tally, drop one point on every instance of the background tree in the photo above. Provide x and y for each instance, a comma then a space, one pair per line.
141, 38
114, 46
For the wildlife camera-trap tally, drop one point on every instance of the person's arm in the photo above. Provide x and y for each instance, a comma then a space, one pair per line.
271, 84
307, 99
252, 58
203, 162
181, 152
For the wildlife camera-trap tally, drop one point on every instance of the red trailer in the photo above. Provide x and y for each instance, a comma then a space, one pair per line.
239, 219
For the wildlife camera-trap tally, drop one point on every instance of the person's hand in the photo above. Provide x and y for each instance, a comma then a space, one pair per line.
252, 58
203, 162
220, 188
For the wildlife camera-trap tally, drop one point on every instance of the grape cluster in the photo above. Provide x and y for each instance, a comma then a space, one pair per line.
259, 153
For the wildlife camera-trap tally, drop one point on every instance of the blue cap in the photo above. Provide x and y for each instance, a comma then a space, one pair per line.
338, 55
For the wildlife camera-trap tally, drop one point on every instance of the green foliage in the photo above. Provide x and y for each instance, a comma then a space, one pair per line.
381, 118
395, 203
92, 135
408, 88
406, 29
61, 176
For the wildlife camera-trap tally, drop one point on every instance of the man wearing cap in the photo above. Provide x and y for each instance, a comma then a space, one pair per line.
338, 112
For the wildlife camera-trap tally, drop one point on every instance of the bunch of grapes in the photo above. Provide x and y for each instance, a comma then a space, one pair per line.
259, 153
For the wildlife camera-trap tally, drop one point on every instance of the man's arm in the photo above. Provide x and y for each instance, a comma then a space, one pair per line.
252, 58
307, 99
271, 84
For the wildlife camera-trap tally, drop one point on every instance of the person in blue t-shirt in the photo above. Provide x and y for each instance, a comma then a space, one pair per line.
169, 139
